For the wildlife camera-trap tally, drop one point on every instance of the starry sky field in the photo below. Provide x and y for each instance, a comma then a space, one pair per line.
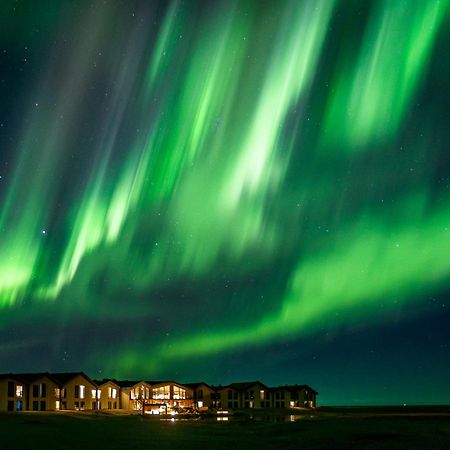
228, 191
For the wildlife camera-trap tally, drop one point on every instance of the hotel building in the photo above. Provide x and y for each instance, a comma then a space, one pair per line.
77, 392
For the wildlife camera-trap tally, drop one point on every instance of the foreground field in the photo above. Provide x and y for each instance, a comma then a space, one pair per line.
328, 428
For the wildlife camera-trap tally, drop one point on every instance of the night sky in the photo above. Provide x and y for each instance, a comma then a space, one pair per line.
228, 191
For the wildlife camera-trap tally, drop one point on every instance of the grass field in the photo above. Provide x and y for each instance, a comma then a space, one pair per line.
327, 428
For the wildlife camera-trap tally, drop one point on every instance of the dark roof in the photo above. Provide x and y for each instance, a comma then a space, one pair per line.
13, 376
106, 380
165, 382
125, 383
245, 385
30, 377
196, 385
65, 377
294, 388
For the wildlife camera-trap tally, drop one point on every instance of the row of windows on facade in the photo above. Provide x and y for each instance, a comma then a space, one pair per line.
264, 395
40, 390
158, 393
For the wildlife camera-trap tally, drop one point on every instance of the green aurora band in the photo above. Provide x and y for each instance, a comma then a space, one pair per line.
227, 143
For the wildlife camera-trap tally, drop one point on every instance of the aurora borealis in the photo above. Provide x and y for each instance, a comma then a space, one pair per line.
226, 190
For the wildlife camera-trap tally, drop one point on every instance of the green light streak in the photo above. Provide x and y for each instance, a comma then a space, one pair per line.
373, 95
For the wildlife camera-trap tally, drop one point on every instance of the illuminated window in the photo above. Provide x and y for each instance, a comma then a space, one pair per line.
179, 393
161, 393
57, 405
109, 393
114, 393
96, 393
57, 392
19, 390
261, 394
82, 391
200, 404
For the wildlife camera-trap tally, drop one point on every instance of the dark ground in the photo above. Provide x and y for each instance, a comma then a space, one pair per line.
327, 428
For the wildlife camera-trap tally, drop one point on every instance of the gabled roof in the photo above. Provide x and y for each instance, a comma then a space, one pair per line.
245, 385
159, 383
105, 381
30, 377
65, 377
196, 385
294, 388
12, 376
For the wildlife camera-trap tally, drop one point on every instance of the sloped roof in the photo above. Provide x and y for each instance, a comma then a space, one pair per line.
245, 385
196, 385
294, 388
65, 377
106, 380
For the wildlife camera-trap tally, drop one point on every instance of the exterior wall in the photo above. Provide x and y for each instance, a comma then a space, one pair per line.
231, 398
43, 395
108, 396
125, 398
280, 398
203, 396
76, 400
14, 402
255, 396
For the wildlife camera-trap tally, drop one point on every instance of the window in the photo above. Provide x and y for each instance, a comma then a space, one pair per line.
57, 405
63, 405
57, 392
200, 394
35, 390
43, 390
76, 405
277, 395
109, 392
114, 393
115, 405
19, 391
230, 404
109, 405
35, 405
19, 405
230, 395
262, 394
11, 391
82, 391
161, 393
179, 393
77, 391
82, 406
235, 395
236, 405
63, 393
282, 395
10, 405
43, 405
